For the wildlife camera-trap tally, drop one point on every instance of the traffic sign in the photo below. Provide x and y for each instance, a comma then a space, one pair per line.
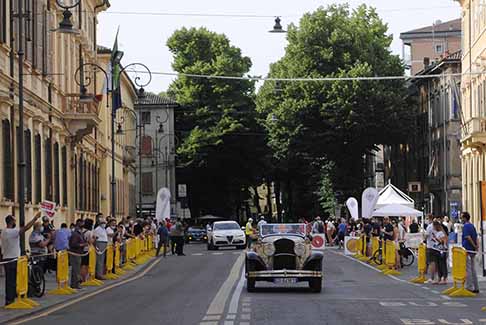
318, 241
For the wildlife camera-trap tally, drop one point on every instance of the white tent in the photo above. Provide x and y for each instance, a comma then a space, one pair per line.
392, 195
397, 210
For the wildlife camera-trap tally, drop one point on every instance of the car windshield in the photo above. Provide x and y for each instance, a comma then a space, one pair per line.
195, 229
282, 229
226, 226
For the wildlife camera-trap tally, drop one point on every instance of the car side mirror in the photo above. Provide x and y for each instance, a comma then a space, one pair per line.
243, 228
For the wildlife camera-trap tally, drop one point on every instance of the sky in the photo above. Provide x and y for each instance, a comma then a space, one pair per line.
144, 30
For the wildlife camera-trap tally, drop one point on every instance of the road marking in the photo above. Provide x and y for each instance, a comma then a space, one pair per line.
352, 259
89, 295
425, 288
435, 291
208, 323
212, 317
446, 297
246, 299
245, 316
244, 323
217, 253
235, 299
231, 316
246, 310
217, 305
228, 322
197, 254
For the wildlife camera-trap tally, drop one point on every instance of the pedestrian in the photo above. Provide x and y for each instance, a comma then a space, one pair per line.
61, 241
430, 253
367, 229
414, 227
163, 234
440, 252
179, 234
87, 232
76, 247
38, 245
330, 231
261, 222
101, 241
447, 223
10, 243
342, 228
173, 238
318, 226
249, 232
470, 244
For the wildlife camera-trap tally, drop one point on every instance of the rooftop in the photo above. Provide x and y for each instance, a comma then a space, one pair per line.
151, 99
438, 29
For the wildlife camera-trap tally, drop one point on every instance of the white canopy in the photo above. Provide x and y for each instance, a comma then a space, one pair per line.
397, 210
392, 195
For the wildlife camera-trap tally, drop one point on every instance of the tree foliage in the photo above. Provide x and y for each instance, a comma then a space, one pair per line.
220, 139
340, 120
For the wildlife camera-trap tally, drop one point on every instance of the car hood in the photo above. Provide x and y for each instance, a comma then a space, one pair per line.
228, 232
271, 239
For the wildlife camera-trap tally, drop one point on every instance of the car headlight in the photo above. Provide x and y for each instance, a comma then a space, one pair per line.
240, 235
299, 249
268, 249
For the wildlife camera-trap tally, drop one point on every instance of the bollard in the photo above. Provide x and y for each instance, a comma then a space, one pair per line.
375, 246
140, 257
130, 251
363, 256
109, 263
118, 269
62, 275
390, 258
359, 248
22, 286
459, 258
92, 269
421, 264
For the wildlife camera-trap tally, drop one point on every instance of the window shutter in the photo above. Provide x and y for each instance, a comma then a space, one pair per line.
38, 169
64, 177
48, 156
8, 191
147, 181
3, 21
147, 145
28, 165
56, 174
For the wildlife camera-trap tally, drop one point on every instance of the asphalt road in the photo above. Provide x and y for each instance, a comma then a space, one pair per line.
208, 288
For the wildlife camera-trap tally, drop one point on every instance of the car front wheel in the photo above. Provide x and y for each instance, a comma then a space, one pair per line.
250, 285
315, 285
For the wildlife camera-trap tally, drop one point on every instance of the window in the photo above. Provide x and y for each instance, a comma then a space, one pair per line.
439, 49
3, 21
28, 166
57, 183
145, 117
81, 183
147, 183
38, 169
76, 182
48, 156
8, 185
146, 145
64, 177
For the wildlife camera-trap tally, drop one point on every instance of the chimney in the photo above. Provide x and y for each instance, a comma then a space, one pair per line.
426, 62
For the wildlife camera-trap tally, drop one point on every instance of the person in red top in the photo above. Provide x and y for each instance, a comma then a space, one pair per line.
167, 223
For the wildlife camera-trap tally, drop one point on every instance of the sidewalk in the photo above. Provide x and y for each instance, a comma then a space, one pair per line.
49, 300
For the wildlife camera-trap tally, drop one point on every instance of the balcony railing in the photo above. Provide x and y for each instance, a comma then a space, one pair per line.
81, 117
474, 132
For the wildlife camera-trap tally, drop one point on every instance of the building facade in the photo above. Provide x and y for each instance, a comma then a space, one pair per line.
473, 88
156, 163
428, 44
67, 142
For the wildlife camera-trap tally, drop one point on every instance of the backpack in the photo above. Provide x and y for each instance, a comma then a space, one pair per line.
320, 227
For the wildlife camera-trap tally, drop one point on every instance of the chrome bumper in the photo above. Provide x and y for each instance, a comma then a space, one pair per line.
284, 274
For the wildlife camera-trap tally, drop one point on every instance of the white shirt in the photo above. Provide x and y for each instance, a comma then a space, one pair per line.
401, 232
109, 234
10, 239
428, 233
100, 234
261, 222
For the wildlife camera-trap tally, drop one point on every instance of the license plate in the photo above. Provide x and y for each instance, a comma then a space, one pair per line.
284, 280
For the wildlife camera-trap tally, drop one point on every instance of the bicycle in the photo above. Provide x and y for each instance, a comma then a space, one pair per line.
407, 256
377, 257
37, 281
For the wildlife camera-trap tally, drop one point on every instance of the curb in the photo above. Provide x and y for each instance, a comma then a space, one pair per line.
107, 286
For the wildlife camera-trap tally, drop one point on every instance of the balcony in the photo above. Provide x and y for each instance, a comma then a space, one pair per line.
474, 132
80, 118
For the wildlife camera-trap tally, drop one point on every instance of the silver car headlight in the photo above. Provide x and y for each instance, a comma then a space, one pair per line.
299, 249
268, 249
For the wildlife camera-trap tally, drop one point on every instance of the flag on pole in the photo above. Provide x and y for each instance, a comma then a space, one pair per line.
115, 75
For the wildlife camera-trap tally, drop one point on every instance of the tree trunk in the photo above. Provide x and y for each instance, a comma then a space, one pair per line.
277, 200
269, 199
256, 200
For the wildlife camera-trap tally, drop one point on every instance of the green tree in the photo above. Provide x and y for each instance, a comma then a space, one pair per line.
220, 139
341, 120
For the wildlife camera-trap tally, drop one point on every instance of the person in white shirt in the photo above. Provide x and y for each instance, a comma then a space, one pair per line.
261, 222
429, 235
101, 241
10, 239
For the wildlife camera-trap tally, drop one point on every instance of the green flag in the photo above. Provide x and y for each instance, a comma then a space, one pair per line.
115, 75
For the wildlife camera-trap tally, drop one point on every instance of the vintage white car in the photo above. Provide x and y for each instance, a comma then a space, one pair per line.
283, 254
226, 234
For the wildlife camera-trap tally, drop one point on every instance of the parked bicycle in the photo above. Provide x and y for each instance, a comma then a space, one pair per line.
407, 255
37, 281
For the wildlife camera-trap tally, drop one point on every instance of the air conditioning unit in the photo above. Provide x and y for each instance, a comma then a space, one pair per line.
414, 187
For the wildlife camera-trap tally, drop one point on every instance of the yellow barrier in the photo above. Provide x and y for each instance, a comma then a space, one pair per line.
141, 258
390, 258
92, 269
375, 246
62, 275
421, 264
109, 263
359, 248
363, 256
459, 259
22, 286
118, 269
130, 253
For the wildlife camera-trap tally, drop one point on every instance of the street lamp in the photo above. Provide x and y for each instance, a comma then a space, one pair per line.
157, 150
66, 25
84, 81
277, 28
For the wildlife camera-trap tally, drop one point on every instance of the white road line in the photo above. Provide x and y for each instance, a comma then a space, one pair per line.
445, 297
212, 317
217, 253
231, 316
197, 254
245, 316
217, 305
246, 310
435, 291
425, 288
235, 299
208, 323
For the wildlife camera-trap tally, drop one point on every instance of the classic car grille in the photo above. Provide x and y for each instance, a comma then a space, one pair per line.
284, 257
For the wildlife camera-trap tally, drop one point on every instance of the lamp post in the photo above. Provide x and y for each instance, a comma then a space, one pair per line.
66, 25
160, 130
138, 128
